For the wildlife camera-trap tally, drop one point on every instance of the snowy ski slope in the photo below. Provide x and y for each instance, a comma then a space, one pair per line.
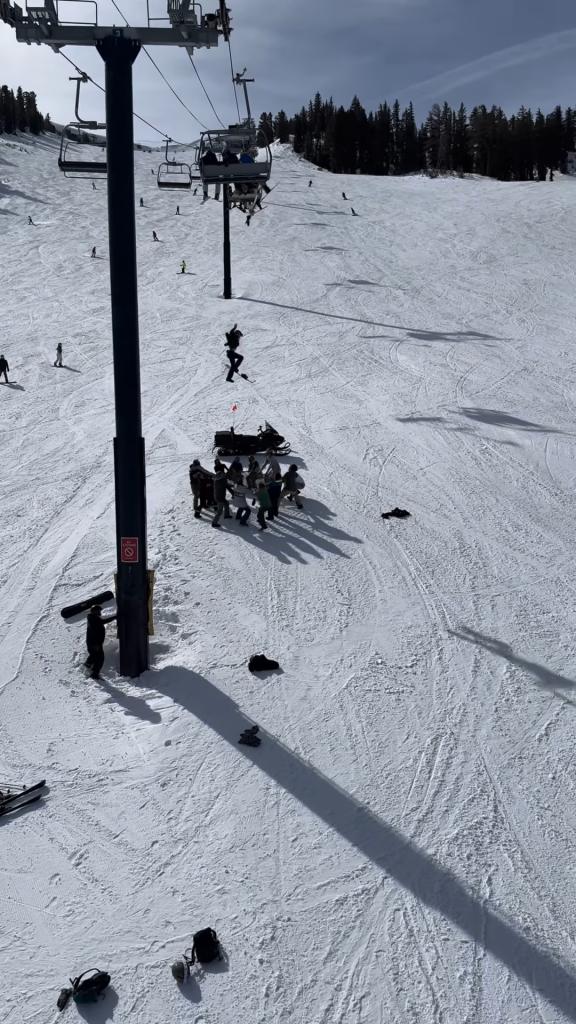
400, 849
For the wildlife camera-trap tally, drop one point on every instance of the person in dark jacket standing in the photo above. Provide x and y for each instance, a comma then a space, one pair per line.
95, 636
58, 361
197, 476
221, 485
293, 484
275, 490
4, 368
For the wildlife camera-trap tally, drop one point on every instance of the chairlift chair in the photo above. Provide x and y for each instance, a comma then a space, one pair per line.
173, 174
237, 139
74, 168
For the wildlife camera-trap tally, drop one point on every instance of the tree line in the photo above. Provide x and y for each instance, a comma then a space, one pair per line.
19, 113
520, 147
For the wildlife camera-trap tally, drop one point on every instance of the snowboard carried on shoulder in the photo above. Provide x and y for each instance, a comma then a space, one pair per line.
83, 606
14, 797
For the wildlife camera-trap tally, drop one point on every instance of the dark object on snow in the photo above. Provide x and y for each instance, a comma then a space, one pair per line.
14, 797
84, 989
354, 214
227, 442
202, 487
260, 663
344, 196
205, 946
399, 513
181, 969
95, 636
248, 738
83, 606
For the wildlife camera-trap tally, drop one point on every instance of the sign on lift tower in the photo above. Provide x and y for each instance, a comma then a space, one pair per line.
185, 24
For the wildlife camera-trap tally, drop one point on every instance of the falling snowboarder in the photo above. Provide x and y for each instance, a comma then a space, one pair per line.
4, 368
58, 361
93, 253
95, 636
234, 358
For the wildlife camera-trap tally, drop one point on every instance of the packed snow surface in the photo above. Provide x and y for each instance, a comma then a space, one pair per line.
400, 848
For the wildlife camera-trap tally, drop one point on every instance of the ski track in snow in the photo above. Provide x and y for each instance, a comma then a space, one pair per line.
420, 356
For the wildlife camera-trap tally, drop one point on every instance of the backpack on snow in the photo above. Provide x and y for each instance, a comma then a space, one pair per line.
84, 989
205, 946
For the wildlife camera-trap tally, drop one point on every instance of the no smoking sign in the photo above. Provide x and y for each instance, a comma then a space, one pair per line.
129, 549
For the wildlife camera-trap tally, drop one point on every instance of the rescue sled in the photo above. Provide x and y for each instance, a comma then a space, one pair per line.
228, 442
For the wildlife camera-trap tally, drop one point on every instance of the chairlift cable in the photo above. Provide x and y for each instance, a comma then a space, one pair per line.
161, 73
233, 82
102, 89
204, 88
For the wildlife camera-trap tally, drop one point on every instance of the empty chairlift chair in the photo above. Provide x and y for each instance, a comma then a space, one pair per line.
73, 146
172, 174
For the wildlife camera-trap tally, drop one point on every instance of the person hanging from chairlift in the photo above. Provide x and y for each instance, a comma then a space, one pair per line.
210, 160
234, 358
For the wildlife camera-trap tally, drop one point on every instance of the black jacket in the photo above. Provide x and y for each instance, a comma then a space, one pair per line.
96, 629
4, 365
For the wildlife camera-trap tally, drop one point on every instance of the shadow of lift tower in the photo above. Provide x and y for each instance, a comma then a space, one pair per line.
189, 27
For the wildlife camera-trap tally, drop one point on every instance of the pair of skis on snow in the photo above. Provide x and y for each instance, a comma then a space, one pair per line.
14, 797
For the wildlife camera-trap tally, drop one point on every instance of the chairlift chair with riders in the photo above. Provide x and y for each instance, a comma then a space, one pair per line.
74, 168
244, 180
174, 174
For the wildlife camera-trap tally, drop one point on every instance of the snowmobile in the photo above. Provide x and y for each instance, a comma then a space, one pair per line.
228, 442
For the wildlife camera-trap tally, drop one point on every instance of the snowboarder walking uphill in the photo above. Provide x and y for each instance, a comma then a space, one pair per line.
4, 368
95, 636
234, 358
58, 361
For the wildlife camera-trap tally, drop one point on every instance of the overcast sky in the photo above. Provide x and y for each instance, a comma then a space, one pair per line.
494, 51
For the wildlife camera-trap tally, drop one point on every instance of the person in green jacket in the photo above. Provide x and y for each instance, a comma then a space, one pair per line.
264, 505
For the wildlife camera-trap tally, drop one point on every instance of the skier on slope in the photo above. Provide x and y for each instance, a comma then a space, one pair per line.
58, 361
155, 237
344, 196
141, 201
30, 221
93, 253
234, 358
95, 636
4, 368
183, 267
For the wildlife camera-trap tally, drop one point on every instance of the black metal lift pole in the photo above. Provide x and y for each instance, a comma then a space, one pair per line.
227, 259
118, 54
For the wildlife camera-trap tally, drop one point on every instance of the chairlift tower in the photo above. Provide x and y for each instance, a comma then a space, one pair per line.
184, 24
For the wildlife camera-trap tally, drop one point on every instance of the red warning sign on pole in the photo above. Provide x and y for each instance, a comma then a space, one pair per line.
129, 549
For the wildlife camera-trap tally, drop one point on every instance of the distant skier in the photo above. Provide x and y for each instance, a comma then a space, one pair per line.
93, 186
93, 253
95, 636
30, 221
141, 201
183, 267
344, 196
177, 211
4, 368
354, 214
58, 361
234, 358
155, 237
310, 183
195, 192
